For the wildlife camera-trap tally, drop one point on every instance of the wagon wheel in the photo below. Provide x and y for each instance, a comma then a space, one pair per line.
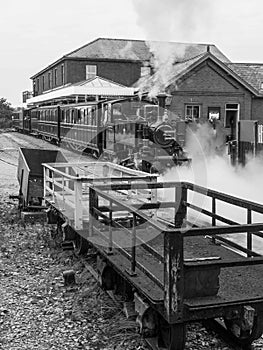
81, 245
172, 336
245, 337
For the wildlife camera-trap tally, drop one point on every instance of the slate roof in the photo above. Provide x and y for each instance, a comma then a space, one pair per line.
139, 50
250, 72
135, 50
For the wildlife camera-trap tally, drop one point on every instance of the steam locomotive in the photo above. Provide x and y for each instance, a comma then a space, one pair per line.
143, 136
136, 133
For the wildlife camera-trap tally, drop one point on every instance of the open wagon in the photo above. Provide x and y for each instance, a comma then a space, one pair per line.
30, 175
174, 270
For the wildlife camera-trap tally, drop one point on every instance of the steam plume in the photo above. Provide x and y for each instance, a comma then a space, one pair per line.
169, 20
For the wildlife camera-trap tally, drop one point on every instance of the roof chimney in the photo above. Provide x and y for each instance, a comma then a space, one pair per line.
208, 48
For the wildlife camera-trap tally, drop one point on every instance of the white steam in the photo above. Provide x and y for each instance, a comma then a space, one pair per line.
165, 21
164, 55
212, 169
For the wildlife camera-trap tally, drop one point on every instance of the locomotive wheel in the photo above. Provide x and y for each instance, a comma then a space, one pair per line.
172, 336
245, 337
81, 245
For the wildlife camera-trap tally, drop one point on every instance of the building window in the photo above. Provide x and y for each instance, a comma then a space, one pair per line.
49, 80
55, 76
145, 71
213, 113
91, 71
38, 85
43, 83
62, 74
192, 112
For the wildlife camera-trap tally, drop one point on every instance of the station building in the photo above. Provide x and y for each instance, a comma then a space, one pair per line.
203, 84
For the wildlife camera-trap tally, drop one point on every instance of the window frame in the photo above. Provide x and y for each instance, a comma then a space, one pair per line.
192, 106
89, 72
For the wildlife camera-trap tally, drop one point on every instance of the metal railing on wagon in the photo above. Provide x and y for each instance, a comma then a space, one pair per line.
66, 186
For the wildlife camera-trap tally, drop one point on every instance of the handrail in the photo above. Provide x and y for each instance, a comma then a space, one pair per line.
129, 208
225, 197
196, 188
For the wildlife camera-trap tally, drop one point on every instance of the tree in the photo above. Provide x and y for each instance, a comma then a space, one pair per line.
6, 111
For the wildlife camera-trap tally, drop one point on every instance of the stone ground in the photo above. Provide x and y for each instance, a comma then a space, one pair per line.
36, 310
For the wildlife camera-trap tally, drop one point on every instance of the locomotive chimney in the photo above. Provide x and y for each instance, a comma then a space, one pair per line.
161, 101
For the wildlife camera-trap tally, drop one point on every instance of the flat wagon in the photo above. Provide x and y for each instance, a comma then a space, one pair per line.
163, 261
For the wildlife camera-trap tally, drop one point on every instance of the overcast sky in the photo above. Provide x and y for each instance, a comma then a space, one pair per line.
35, 33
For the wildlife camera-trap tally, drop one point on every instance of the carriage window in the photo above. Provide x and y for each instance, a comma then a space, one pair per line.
67, 115
91, 71
62, 115
72, 116
192, 112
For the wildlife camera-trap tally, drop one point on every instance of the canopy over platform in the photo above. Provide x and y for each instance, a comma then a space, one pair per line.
81, 91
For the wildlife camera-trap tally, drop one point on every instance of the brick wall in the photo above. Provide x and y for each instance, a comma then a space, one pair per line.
210, 86
125, 73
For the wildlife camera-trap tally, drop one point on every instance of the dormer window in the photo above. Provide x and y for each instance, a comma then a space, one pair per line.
145, 71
